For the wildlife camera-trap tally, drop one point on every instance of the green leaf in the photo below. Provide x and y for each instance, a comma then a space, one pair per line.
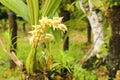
50, 7
99, 4
75, 23
54, 65
18, 6
33, 8
31, 62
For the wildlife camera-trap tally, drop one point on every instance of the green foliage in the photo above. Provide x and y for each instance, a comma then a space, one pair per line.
50, 7
55, 63
59, 58
82, 74
31, 61
68, 5
33, 7
57, 35
112, 3
30, 12
23, 49
99, 4
6, 74
18, 6
103, 4
76, 22
64, 59
103, 48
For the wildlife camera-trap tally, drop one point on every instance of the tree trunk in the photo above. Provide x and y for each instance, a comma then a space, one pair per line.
114, 56
89, 33
13, 31
97, 29
96, 24
24, 27
66, 17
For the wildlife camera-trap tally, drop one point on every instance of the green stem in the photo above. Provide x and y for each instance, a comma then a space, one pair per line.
31, 61
49, 44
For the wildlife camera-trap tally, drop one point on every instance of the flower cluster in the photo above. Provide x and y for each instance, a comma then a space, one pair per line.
39, 32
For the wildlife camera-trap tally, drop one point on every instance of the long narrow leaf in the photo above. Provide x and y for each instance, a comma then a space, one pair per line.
33, 8
36, 10
50, 7
18, 6
31, 13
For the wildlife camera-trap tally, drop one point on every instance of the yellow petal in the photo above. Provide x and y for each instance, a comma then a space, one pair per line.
62, 27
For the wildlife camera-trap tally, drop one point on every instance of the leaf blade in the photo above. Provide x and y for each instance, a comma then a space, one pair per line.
20, 9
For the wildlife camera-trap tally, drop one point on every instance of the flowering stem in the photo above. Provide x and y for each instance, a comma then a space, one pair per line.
31, 61
49, 44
